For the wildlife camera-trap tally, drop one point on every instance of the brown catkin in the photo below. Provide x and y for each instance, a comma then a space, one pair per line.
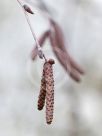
49, 90
41, 98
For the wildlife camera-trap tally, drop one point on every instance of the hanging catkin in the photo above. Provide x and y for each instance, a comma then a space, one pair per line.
41, 98
49, 90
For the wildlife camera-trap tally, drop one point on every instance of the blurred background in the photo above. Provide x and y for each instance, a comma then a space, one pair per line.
78, 107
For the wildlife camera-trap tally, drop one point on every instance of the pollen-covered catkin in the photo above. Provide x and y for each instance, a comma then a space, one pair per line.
49, 90
41, 98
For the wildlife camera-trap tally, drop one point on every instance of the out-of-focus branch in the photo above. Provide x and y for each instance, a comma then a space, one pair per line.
61, 44
63, 59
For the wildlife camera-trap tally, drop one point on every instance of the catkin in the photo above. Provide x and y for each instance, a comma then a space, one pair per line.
49, 90
41, 98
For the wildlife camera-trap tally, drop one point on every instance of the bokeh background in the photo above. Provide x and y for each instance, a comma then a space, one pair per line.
78, 107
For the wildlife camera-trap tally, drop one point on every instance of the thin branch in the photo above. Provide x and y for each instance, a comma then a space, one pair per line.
40, 52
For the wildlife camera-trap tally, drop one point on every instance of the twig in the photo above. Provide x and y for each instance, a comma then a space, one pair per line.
40, 52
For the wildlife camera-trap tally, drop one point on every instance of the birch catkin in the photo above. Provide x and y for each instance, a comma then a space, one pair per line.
41, 98
49, 90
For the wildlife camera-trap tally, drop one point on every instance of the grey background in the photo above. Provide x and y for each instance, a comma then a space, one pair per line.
77, 106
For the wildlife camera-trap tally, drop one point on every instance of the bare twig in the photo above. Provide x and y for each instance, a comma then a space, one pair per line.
40, 52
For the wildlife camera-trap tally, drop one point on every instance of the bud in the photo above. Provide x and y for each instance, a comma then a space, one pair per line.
28, 9
40, 53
